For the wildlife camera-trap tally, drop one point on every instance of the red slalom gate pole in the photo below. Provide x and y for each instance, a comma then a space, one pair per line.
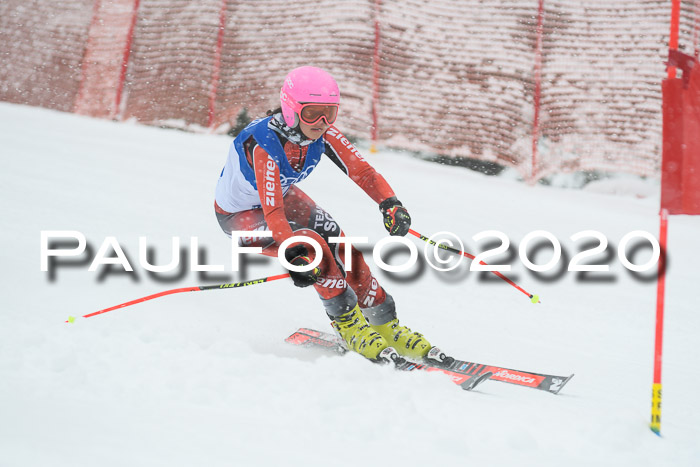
533, 298
658, 341
233, 285
673, 35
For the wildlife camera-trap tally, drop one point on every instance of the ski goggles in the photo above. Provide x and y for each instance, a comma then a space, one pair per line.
311, 113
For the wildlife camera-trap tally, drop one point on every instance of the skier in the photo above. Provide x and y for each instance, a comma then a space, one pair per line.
257, 191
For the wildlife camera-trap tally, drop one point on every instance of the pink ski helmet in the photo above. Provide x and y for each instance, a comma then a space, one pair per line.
304, 85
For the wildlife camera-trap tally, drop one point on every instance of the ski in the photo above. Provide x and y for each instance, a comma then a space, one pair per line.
462, 372
311, 338
466, 382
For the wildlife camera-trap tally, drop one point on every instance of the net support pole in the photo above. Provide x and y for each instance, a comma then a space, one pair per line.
375, 75
125, 60
214, 86
84, 62
658, 340
538, 89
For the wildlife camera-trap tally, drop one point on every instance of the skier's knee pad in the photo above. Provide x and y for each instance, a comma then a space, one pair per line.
326, 227
323, 224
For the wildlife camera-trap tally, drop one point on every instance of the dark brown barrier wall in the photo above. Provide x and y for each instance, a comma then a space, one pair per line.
455, 78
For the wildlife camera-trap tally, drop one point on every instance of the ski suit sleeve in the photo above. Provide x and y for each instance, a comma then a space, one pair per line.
348, 159
267, 180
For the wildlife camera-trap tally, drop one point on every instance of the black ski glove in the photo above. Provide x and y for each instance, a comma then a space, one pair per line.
396, 218
299, 256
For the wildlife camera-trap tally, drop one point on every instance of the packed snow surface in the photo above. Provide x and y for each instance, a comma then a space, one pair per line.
206, 378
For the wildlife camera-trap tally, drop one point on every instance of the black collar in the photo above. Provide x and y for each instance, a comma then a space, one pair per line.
294, 135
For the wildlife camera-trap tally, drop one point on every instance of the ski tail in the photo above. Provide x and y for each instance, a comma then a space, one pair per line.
311, 338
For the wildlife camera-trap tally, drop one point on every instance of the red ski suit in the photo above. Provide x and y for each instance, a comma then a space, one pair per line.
296, 213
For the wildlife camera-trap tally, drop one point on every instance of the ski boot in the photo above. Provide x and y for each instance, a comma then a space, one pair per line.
406, 342
412, 344
361, 338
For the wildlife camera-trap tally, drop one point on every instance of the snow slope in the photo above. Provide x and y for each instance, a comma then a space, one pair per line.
206, 379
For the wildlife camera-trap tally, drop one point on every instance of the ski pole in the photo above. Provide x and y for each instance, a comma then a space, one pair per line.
533, 298
233, 285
